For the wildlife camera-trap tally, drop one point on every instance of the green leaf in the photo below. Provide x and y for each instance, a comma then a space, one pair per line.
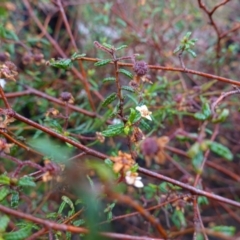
53, 124
202, 200
4, 191
4, 220
79, 222
134, 168
177, 49
206, 110
126, 73
102, 62
163, 187
145, 125
221, 150
222, 116
4, 179
77, 56
113, 130
109, 99
108, 45
108, 162
197, 161
126, 129
194, 150
132, 115
15, 199
207, 85
21, 234
26, 181
192, 53
226, 230
150, 190
121, 47
109, 79
33, 41
70, 203
7, 34
178, 219
61, 63
127, 88
61, 207
200, 116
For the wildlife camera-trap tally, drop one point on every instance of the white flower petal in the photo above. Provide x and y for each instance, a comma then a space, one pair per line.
148, 117
2, 82
138, 108
138, 184
130, 180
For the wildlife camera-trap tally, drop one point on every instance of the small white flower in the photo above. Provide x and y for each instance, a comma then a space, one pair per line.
133, 179
116, 121
144, 112
2, 82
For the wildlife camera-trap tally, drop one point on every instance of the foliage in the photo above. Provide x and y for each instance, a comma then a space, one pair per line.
118, 112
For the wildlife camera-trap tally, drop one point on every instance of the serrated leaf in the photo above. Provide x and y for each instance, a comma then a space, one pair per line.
61, 63
126, 73
108, 45
14, 199
127, 88
220, 150
109, 79
77, 56
21, 234
145, 125
121, 47
70, 203
109, 99
26, 181
4, 179
61, 207
4, 191
102, 62
113, 130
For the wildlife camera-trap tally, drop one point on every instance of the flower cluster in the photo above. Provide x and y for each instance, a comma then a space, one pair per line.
132, 178
4, 146
8, 70
144, 112
140, 68
5, 121
37, 58
67, 97
123, 163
